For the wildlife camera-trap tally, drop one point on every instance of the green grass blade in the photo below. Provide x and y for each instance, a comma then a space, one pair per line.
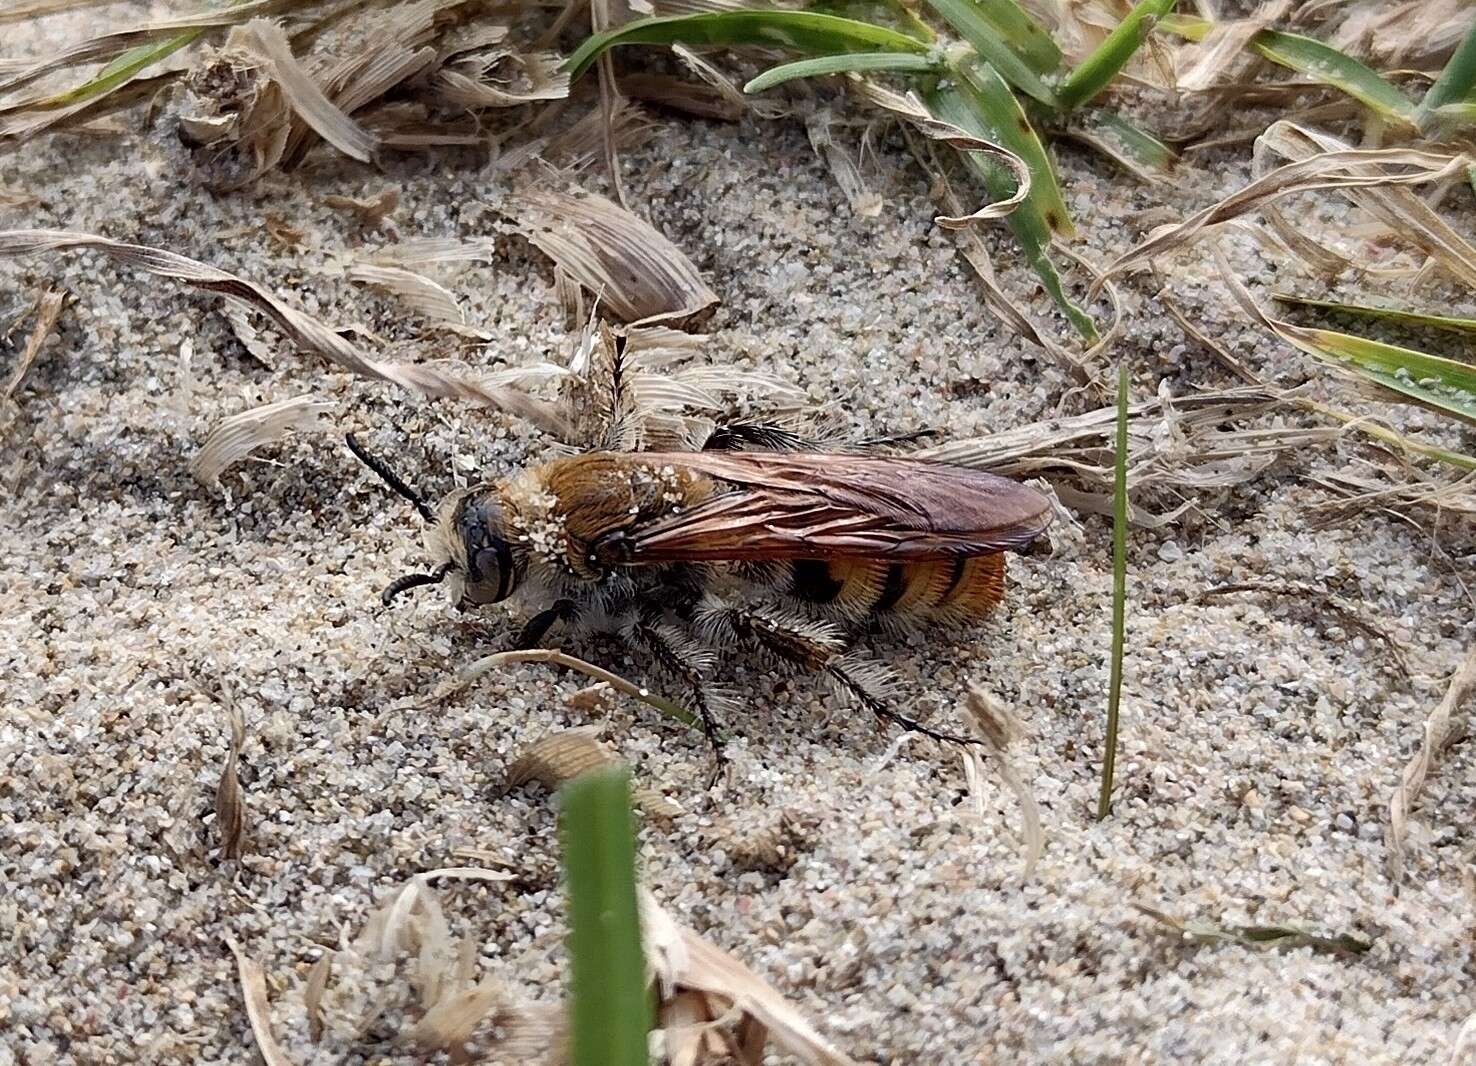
1447, 118
896, 62
882, 12
121, 70
1022, 32
1326, 64
799, 31
1119, 594
1128, 145
1431, 381
1099, 68
1190, 27
1463, 326
965, 18
610, 1013
1012, 129
1395, 440
1457, 82
961, 108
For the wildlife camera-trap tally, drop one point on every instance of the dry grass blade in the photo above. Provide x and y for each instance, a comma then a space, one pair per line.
559, 757
241, 434
1284, 936
1199, 337
544, 81
48, 309
428, 251
449, 1023
258, 1008
307, 332
680, 95
1216, 60
847, 174
435, 971
21, 10
1406, 33
230, 801
111, 44
1340, 169
1407, 218
622, 260
469, 674
10, 197
425, 297
998, 726
1174, 444
1302, 592
683, 962
312, 994
1439, 731
304, 95
916, 113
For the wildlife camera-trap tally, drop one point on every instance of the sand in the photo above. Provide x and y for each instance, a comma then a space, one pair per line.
1262, 736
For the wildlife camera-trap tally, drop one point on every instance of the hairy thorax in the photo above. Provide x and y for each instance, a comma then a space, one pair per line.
562, 510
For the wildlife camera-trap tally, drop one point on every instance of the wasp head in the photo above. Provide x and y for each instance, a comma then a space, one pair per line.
469, 539
464, 535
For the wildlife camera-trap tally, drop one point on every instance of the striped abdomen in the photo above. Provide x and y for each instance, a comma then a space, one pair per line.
949, 590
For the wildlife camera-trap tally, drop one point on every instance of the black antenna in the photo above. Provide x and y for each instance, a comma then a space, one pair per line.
413, 581
393, 481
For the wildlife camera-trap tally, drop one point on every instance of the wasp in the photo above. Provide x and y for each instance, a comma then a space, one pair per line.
686, 555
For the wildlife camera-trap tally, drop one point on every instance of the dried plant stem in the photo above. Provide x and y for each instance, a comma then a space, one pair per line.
553, 657
1439, 731
48, 309
1119, 595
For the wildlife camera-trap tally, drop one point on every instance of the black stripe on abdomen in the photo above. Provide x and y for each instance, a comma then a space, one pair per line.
813, 582
960, 565
893, 586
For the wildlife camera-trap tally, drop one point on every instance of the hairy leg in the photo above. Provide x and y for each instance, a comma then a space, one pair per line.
820, 648
688, 664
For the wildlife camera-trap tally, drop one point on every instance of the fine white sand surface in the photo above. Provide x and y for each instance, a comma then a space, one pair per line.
1262, 733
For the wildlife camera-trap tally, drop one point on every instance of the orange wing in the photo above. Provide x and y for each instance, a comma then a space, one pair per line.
810, 506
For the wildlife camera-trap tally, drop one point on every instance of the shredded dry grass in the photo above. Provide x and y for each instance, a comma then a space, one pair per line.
999, 728
241, 434
1440, 729
305, 331
47, 309
1177, 446
622, 261
258, 1006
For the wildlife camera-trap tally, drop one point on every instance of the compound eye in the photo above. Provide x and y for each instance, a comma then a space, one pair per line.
484, 567
490, 568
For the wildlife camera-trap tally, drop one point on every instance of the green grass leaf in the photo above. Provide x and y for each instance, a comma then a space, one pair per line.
1326, 64
967, 19
1457, 82
1432, 381
1095, 71
121, 70
800, 31
610, 1013
1119, 594
1012, 129
1464, 326
962, 107
896, 62
1128, 145
1190, 27
1023, 33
